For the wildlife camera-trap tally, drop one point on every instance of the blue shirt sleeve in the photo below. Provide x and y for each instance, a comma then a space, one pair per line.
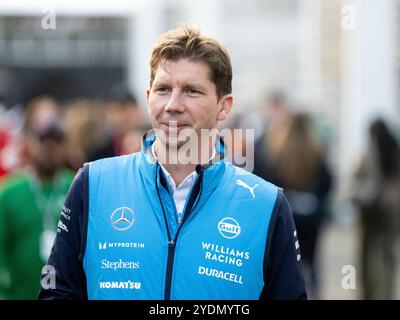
68, 249
283, 270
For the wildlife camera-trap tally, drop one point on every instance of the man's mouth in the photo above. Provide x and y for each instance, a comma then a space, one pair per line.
172, 126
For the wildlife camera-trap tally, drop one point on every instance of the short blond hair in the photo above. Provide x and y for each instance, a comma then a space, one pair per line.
189, 43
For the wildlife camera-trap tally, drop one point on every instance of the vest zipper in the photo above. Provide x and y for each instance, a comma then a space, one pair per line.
172, 243
170, 262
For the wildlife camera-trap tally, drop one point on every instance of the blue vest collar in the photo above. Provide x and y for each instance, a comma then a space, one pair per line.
212, 171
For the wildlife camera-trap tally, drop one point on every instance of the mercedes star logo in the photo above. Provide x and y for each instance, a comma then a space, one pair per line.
122, 218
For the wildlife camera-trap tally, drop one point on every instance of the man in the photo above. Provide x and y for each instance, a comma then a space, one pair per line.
152, 225
122, 114
30, 202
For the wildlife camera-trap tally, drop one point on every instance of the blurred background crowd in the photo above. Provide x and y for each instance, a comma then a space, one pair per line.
317, 81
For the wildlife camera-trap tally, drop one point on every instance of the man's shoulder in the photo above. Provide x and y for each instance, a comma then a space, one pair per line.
250, 177
246, 179
66, 175
113, 163
14, 182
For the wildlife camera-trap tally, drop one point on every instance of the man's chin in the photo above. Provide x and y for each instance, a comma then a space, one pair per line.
173, 143
171, 130
176, 139
47, 171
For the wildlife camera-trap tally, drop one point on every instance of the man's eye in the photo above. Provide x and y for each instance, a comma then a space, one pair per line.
194, 92
161, 90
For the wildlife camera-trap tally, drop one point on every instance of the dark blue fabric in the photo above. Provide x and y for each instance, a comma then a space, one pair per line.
283, 272
68, 248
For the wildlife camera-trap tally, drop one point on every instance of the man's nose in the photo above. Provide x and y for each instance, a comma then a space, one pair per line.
175, 104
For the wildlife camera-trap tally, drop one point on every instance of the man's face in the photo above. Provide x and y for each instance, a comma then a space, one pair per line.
123, 117
47, 156
183, 97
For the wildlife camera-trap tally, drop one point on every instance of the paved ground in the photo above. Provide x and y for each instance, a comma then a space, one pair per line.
338, 248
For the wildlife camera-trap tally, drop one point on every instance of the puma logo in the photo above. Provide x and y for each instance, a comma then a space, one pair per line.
244, 185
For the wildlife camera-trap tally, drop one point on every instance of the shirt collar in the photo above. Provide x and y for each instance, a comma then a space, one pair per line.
189, 180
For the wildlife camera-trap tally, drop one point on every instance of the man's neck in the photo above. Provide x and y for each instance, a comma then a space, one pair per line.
179, 171
43, 177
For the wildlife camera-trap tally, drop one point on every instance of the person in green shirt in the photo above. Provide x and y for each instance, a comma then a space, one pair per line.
30, 204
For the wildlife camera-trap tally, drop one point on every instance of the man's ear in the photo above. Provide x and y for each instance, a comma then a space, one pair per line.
147, 94
225, 106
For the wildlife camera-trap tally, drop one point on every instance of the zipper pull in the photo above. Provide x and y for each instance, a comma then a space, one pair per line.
171, 244
179, 218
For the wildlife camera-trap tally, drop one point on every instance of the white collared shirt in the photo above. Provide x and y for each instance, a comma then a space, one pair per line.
181, 192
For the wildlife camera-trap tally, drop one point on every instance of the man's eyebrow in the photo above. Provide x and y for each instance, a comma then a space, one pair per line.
188, 85
194, 86
160, 84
